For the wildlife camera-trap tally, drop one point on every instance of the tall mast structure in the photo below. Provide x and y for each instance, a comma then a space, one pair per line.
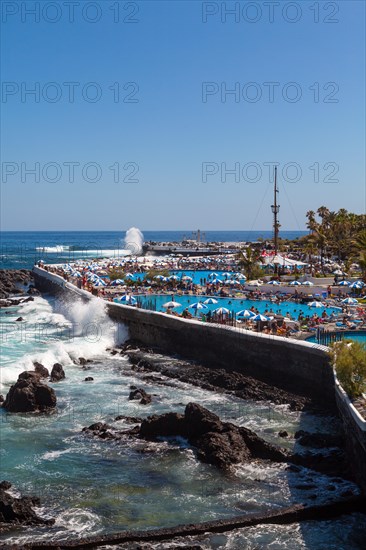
275, 209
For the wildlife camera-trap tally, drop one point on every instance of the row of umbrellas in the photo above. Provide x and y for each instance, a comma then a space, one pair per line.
245, 313
277, 283
297, 283
346, 301
97, 281
356, 284
128, 299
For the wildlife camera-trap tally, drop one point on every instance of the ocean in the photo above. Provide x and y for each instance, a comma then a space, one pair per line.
99, 487
21, 249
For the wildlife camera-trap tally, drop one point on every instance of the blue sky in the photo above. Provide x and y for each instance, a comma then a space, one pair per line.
168, 130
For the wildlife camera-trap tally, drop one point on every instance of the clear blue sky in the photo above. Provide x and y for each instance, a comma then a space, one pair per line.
170, 132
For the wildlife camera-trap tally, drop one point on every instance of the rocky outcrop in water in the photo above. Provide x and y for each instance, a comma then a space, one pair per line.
318, 440
29, 394
105, 431
222, 444
128, 419
57, 373
12, 281
139, 394
219, 443
41, 370
15, 510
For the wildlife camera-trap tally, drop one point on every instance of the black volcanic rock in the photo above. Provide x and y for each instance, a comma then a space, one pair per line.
163, 425
212, 379
18, 511
129, 419
29, 394
41, 370
11, 279
141, 395
222, 444
222, 449
200, 421
57, 373
218, 443
318, 440
105, 431
33, 291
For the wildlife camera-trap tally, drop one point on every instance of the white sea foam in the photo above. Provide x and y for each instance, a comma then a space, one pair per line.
71, 255
58, 248
78, 520
52, 455
75, 330
134, 240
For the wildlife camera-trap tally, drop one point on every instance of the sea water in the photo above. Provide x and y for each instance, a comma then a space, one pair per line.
93, 486
21, 249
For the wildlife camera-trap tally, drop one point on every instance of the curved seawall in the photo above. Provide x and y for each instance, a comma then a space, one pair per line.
293, 365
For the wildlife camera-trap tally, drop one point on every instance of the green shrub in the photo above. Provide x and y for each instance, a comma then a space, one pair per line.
152, 273
349, 360
116, 273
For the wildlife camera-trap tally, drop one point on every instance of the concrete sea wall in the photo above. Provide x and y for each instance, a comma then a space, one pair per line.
289, 364
293, 365
355, 430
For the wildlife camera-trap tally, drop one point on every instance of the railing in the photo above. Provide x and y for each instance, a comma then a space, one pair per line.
147, 304
326, 338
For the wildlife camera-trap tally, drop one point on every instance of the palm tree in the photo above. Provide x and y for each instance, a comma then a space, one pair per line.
362, 263
321, 241
324, 213
312, 224
360, 248
249, 260
360, 241
310, 251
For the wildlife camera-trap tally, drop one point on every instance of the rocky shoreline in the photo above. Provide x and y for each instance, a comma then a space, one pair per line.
15, 281
221, 444
18, 510
218, 380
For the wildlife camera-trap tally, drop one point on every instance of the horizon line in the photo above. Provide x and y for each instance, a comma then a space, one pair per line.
148, 230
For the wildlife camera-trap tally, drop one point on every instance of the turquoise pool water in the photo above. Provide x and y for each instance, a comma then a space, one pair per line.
156, 301
359, 336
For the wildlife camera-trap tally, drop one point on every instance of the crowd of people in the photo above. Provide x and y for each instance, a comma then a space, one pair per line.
278, 322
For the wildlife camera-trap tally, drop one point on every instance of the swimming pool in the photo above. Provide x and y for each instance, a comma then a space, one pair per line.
156, 301
359, 336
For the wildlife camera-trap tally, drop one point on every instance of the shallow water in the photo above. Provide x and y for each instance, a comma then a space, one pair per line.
93, 486
348, 335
